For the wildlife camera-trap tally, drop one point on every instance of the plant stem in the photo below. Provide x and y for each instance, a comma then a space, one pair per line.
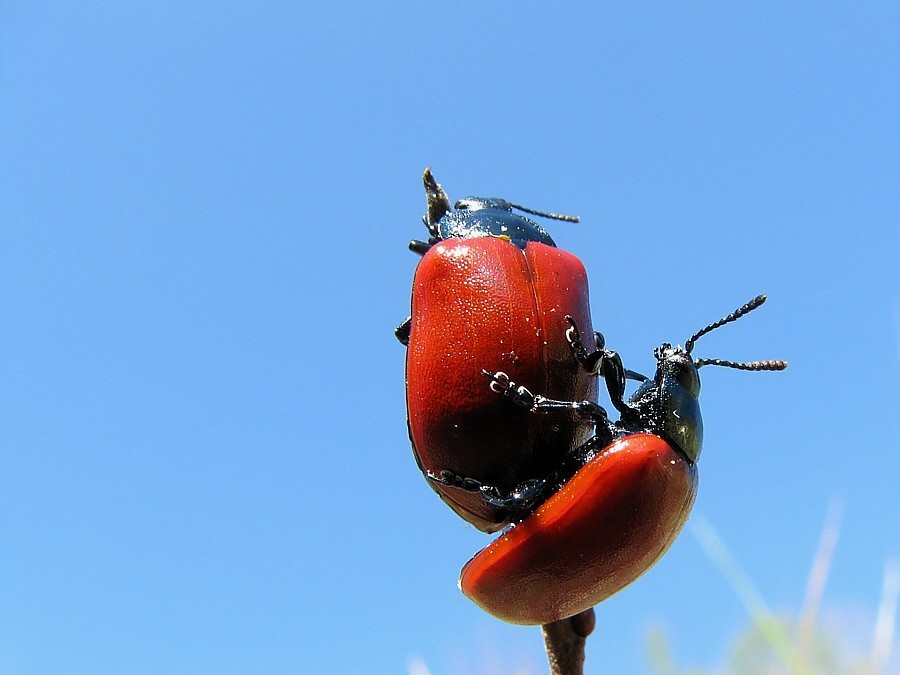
564, 640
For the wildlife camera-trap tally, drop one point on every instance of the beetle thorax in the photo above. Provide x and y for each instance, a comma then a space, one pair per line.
668, 404
479, 203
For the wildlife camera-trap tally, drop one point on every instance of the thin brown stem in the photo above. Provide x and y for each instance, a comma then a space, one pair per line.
565, 639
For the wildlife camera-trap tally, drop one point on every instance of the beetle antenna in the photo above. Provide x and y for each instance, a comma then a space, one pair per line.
436, 198
544, 214
734, 316
772, 364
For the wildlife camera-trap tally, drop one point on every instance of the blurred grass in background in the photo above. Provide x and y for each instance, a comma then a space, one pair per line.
816, 641
811, 643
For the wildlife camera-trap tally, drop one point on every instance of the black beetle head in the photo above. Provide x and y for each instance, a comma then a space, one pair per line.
676, 363
669, 403
475, 217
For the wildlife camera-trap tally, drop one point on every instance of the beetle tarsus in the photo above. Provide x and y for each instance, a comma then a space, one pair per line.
450, 479
518, 502
501, 384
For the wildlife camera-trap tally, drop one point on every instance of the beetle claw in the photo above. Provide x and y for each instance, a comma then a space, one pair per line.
501, 384
499, 381
572, 332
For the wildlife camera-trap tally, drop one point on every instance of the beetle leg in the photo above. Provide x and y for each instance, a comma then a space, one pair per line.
491, 494
420, 247
588, 361
402, 331
603, 362
632, 375
450, 479
518, 503
522, 499
586, 410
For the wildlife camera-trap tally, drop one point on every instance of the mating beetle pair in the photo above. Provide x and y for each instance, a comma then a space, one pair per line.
595, 502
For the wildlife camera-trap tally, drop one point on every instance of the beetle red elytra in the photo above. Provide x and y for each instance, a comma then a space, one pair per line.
598, 533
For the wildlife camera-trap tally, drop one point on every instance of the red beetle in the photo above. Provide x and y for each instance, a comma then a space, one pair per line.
621, 510
492, 291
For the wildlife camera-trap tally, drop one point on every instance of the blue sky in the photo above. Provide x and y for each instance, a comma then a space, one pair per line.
205, 209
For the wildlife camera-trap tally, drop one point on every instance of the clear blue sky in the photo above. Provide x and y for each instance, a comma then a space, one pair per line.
205, 209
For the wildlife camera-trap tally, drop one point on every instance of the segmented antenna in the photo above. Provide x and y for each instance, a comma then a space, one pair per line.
544, 214
773, 364
734, 316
